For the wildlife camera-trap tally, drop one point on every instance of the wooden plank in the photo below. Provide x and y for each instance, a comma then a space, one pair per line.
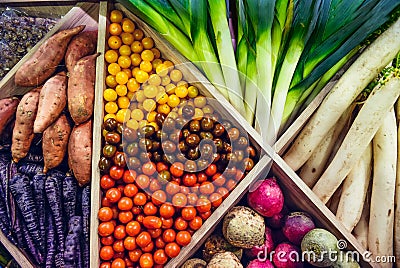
83, 14
15, 252
98, 115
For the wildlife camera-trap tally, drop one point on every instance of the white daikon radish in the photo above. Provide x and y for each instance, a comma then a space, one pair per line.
334, 201
354, 191
316, 164
360, 134
361, 230
380, 235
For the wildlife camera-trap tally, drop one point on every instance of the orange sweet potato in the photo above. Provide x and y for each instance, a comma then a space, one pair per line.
80, 46
24, 119
45, 60
53, 98
81, 89
7, 111
80, 152
55, 142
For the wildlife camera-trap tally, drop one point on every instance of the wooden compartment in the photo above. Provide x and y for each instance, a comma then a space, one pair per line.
300, 195
73, 15
81, 14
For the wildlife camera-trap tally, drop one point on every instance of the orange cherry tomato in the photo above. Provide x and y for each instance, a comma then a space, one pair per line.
161, 166
167, 223
216, 199
113, 195
107, 240
106, 182
188, 213
172, 249
201, 177
129, 176
130, 243
150, 209
172, 188
169, 235
149, 168
143, 239
230, 184
203, 205
207, 188
118, 263
218, 179
105, 264
154, 233
196, 223
185, 190
180, 224
192, 199
119, 232
223, 191
142, 181
106, 253
149, 247
183, 238
205, 215
159, 242
136, 210
105, 202
125, 216
158, 197
134, 255
106, 228
177, 169
154, 185
146, 260
140, 199
130, 190
118, 246
167, 210
160, 257
152, 222
125, 203
179, 200
211, 170
105, 214
189, 179
133, 228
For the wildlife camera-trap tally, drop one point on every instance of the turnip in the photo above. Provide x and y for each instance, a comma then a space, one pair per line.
260, 264
297, 225
319, 247
267, 198
194, 263
287, 255
265, 249
225, 259
277, 220
217, 244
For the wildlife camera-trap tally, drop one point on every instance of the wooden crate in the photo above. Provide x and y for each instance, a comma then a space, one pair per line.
73, 15
298, 194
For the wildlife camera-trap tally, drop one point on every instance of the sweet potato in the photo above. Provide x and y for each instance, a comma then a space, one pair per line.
81, 45
7, 110
23, 129
81, 89
55, 141
45, 60
80, 152
53, 98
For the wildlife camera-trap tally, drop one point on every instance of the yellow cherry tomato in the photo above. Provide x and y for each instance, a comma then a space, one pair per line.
150, 91
115, 28
138, 34
137, 114
125, 50
111, 107
137, 47
181, 91
170, 88
162, 98
132, 85
173, 100
147, 55
110, 95
148, 42
110, 81
193, 92
162, 70
116, 16
121, 90
111, 56
136, 59
128, 26
140, 97
141, 76
124, 61
164, 109
146, 66
123, 102
114, 42
154, 79
156, 52
121, 78
133, 124
151, 117
113, 68
127, 38
149, 105
109, 116
123, 115
175, 75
